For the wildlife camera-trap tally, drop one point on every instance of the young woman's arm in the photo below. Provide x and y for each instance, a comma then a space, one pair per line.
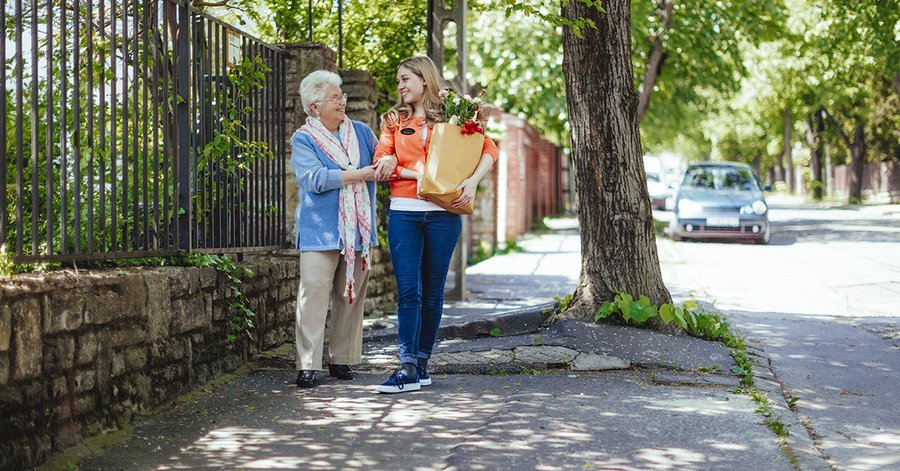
385, 157
470, 185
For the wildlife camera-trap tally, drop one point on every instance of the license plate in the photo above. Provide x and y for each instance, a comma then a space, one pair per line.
723, 222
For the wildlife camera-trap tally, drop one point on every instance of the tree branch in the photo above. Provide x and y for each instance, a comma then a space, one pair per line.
221, 3
654, 59
839, 128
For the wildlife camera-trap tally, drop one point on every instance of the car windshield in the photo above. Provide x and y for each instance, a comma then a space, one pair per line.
720, 178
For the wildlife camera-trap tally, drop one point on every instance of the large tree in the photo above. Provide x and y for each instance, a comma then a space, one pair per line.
617, 235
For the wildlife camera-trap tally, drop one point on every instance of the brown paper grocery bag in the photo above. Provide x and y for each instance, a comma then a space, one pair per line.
452, 157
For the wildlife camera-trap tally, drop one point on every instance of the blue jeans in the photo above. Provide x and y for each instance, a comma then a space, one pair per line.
422, 245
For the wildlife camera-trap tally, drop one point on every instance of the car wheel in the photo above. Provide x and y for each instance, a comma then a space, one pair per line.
765, 238
673, 232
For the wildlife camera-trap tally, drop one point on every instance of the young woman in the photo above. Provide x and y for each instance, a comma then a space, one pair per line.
421, 235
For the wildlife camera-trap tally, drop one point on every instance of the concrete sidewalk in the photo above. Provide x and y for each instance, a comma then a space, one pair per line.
567, 396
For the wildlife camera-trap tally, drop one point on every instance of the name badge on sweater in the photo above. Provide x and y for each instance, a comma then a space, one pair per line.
407, 131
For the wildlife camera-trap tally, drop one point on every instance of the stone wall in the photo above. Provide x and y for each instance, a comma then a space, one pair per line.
81, 353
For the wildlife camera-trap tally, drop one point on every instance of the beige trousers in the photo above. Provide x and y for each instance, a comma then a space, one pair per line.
322, 278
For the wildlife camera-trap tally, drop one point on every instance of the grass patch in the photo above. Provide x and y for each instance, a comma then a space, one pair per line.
485, 251
659, 226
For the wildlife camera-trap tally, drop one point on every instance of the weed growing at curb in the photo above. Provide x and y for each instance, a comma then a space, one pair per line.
702, 324
532, 372
563, 301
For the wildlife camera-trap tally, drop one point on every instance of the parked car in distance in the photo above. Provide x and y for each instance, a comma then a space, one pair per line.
658, 190
720, 200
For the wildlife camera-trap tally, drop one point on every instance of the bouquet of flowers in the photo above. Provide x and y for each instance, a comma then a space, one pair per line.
454, 151
463, 109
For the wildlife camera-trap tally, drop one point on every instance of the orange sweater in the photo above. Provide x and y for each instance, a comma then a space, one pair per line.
405, 141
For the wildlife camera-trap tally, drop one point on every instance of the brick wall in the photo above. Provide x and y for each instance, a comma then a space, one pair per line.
535, 176
881, 182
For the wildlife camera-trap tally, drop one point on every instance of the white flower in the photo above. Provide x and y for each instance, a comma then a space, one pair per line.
478, 99
456, 100
468, 98
443, 93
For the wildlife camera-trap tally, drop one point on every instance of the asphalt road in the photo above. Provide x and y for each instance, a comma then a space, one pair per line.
823, 301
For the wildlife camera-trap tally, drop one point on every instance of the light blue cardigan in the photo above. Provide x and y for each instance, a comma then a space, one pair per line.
319, 180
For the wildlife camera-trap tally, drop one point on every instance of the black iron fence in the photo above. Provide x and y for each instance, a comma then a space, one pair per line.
134, 128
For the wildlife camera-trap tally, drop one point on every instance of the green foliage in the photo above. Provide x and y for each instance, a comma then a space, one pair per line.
129, 150
688, 316
703, 61
539, 224
495, 332
482, 253
230, 150
463, 108
532, 372
518, 58
539, 9
512, 246
378, 34
564, 302
743, 367
764, 408
7, 267
659, 226
241, 318
709, 369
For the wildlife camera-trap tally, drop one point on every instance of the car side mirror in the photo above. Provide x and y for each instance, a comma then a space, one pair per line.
767, 188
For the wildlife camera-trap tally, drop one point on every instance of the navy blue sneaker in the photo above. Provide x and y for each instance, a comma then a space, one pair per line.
424, 378
398, 383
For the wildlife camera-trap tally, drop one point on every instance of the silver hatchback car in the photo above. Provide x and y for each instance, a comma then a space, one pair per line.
720, 200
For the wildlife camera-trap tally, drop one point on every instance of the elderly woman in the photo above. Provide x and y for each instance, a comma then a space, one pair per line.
332, 160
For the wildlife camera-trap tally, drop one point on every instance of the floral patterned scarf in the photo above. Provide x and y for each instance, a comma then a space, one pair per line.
354, 208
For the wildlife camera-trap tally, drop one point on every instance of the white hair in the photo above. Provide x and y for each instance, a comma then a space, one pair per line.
312, 88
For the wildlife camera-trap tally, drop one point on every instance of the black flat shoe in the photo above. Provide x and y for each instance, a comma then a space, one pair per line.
340, 371
306, 379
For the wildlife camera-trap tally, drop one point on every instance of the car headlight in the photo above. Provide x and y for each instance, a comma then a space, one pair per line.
689, 207
758, 207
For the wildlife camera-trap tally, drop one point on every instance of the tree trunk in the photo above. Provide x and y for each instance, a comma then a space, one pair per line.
786, 157
814, 139
789, 153
654, 59
618, 241
858, 156
857, 149
757, 165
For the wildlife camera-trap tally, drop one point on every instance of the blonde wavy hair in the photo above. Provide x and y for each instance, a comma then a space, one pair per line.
431, 101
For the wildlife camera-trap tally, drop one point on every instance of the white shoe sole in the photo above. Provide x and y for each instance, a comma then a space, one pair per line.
425, 382
394, 389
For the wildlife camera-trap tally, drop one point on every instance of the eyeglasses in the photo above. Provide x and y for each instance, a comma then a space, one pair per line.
335, 98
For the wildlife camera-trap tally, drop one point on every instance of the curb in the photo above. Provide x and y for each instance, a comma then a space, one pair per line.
513, 322
802, 447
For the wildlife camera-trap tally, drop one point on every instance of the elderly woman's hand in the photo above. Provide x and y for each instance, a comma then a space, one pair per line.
367, 173
358, 175
384, 168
